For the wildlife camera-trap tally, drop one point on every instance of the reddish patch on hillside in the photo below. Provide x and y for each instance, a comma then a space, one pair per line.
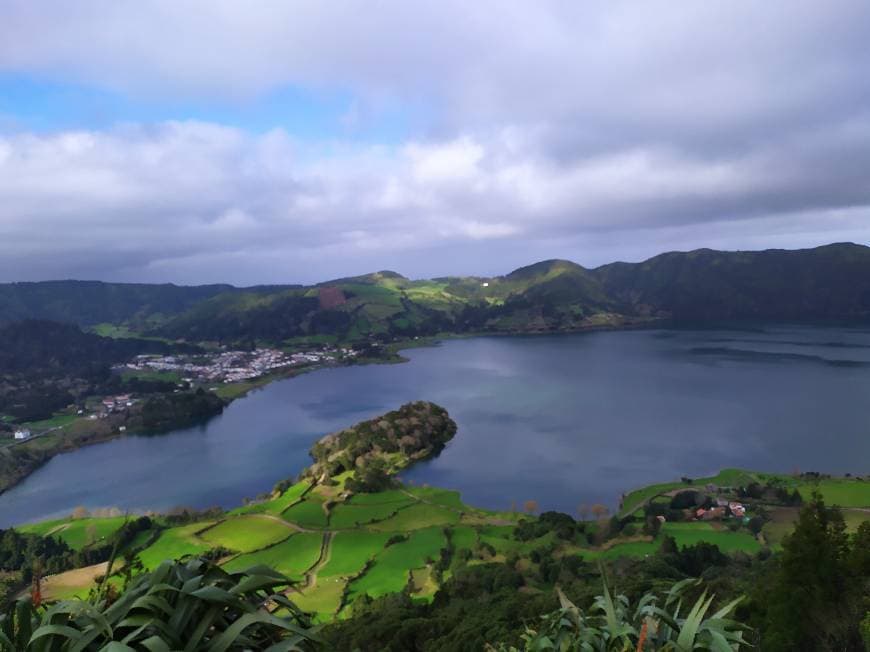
331, 298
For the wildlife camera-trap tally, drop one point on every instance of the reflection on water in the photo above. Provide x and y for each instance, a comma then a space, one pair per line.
563, 420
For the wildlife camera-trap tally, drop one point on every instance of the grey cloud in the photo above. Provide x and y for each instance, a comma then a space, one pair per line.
592, 131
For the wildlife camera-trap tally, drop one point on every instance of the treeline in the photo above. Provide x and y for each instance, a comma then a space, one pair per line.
416, 430
45, 366
169, 411
24, 554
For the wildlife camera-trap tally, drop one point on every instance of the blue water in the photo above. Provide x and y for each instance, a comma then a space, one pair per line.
563, 420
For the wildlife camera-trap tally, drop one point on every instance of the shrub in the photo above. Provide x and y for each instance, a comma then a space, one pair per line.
191, 605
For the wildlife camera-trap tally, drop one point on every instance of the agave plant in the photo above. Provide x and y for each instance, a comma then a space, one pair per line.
612, 625
185, 605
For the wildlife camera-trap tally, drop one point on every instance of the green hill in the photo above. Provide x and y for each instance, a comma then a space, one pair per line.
825, 283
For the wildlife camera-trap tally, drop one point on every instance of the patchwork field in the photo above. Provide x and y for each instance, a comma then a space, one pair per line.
292, 557
174, 543
308, 514
77, 533
351, 551
390, 571
336, 549
247, 533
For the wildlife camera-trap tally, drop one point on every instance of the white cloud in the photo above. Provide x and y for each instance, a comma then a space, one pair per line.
130, 200
589, 130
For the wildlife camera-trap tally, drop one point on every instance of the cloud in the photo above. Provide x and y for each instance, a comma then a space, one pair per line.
138, 198
593, 131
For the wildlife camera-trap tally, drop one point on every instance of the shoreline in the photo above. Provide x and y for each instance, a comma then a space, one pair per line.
393, 354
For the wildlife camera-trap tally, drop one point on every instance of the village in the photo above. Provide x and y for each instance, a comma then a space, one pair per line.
231, 366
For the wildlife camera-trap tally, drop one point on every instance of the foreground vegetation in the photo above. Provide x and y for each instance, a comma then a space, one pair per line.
387, 566
192, 605
431, 589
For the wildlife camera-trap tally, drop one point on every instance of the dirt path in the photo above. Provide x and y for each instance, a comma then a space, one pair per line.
325, 555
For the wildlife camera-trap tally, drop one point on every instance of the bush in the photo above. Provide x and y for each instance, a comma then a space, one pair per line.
222, 611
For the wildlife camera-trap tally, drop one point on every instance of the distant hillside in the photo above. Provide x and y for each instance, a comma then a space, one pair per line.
830, 282
92, 302
825, 283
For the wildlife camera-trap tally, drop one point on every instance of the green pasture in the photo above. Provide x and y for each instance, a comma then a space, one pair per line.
390, 571
292, 557
309, 513
442, 497
844, 492
350, 551
174, 543
463, 537
77, 533
417, 517
322, 599
345, 516
391, 497
57, 421
246, 533
628, 549
688, 534
276, 505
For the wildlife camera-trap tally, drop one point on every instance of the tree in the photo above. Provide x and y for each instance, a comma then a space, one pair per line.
599, 511
80, 512
810, 604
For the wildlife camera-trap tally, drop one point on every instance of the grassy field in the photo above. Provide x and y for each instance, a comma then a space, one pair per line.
292, 557
174, 543
687, 534
350, 516
390, 497
77, 533
58, 421
322, 599
276, 505
436, 496
308, 514
632, 549
120, 332
845, 492
416, 517
390, 571
350, 551
246, 533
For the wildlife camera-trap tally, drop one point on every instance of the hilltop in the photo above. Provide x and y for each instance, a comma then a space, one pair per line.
826, 283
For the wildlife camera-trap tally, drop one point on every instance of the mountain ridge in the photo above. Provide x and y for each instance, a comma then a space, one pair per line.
830, 282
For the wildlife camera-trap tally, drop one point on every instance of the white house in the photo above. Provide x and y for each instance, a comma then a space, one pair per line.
24, 433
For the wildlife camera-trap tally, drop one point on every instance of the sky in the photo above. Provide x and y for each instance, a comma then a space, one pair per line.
293, 142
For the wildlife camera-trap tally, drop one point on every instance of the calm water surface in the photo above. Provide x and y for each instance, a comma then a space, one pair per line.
564, 420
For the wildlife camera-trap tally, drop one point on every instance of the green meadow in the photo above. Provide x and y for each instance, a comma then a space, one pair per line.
246, 533
337, 548
292, 556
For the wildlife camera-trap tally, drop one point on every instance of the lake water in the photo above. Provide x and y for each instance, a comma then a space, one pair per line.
563, 420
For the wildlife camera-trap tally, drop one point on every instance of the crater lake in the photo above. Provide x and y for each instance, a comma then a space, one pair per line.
562, 419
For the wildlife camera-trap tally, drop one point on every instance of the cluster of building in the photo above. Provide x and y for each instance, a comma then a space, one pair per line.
233, 366
21, 434
721, 510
